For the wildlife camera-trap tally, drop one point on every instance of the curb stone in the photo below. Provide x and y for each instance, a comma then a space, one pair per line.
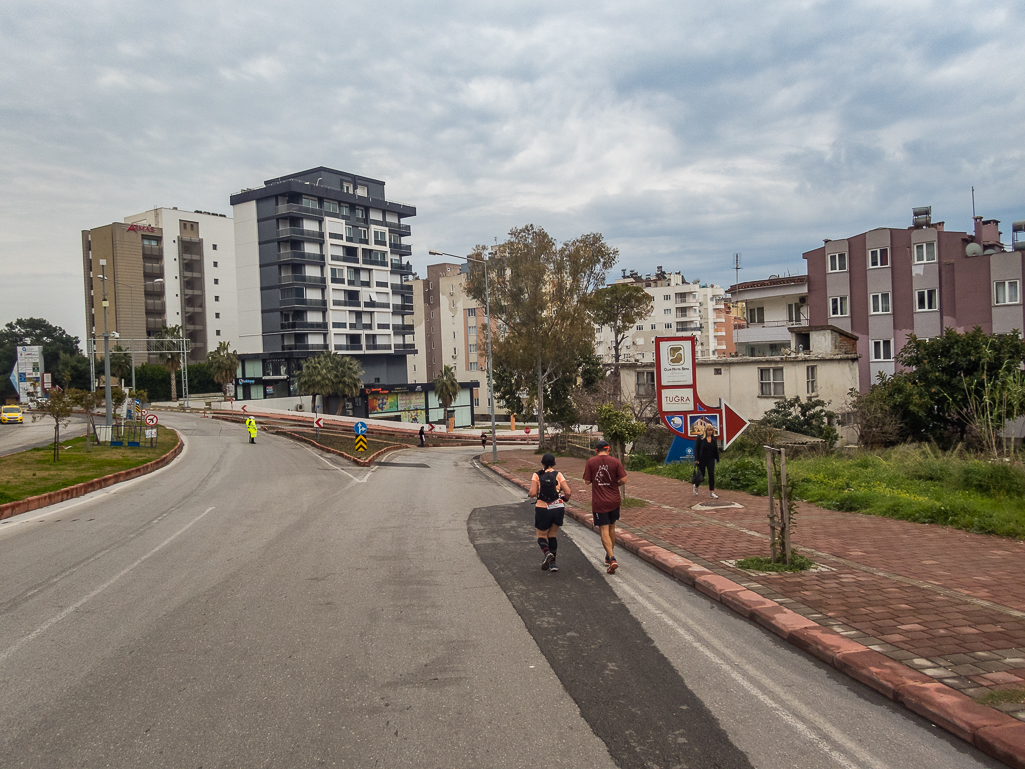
994, 733
87, 487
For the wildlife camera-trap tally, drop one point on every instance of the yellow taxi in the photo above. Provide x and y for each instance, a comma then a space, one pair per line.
10, 414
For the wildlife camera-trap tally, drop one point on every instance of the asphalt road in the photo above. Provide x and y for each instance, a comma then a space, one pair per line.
267, 606
28, 435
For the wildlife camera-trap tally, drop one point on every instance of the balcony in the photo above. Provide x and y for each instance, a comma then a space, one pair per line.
304, 325
300, 256
304, 347
384, 326
152, 270
406, 288
287, 233
151, 251
155, 307
397, 265
337, 281
154, 324
302, 301
375, 305
345, 259
362, 326
303, 280
403, 328
404, 309
380, 284
345, 303
371, 261
405, 348
376, 347
400, 249
349, 347
296, 208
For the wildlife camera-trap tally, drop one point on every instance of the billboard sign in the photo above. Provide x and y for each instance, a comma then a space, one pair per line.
30, 372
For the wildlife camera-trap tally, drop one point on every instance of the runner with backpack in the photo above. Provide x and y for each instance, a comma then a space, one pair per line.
551, 490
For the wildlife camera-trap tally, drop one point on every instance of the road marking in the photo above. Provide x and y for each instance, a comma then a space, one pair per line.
81, 602
787, 709
94, 496
343, 472
514, 491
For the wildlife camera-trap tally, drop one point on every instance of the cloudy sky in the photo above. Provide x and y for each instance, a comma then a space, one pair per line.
684, 132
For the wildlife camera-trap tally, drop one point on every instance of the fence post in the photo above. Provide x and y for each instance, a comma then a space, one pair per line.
784, 504
769, 467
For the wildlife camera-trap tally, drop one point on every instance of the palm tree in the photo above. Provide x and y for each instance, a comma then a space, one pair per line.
347, 376
120, 362
168, 352
446, 388
223, 365
314, 379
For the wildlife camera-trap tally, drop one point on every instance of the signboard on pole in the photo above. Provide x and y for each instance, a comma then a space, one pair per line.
680, 405
30, 372
151, 419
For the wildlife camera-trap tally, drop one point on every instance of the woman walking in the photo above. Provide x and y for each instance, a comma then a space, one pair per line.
706, 454
551, 490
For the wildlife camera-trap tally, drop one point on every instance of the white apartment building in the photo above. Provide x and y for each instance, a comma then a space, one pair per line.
679, 308
771, 307
163, 267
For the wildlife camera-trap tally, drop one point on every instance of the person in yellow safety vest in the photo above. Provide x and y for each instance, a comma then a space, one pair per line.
251, 425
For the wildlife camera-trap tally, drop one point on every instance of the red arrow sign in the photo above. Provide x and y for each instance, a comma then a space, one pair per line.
243, 408
318, 422
733, 424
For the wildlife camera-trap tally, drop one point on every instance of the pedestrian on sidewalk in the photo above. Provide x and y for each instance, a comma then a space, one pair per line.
423, 437
551, 490
483, 439
251, 426
606, 474
706, 454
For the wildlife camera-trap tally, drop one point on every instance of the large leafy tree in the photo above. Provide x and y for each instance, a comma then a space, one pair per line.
330, 374
446, 388
168, 349
54, 340
620, 307
223, 364
540, 294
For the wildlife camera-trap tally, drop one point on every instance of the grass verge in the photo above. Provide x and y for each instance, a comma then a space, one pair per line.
797, 563
29, 473
633, 502
347, 443
911, 483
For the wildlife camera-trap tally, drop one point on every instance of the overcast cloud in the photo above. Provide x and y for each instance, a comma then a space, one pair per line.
684, 132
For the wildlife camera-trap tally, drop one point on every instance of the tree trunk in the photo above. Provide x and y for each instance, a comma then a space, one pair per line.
56, 441
174, 387
540, 407
617, 376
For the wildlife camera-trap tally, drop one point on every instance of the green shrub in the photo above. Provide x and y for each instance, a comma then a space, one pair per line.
997, 478
638, 462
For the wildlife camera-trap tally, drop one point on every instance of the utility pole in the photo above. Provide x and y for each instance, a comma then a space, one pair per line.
106, 346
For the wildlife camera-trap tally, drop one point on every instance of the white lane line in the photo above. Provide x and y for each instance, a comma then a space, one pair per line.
82, 601
789, 710
343, 472
95, 496
514, 491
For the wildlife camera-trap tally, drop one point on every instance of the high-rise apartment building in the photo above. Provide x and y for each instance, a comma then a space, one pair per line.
678, 308
451, 325
320, 263
163, 267
886, 284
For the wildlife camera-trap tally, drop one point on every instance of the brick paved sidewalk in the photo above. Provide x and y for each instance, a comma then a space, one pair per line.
947, 603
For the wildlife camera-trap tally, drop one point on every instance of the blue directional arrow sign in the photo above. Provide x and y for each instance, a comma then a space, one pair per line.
360, 428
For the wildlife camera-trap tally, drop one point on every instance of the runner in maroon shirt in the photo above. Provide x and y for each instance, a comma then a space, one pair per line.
606, 474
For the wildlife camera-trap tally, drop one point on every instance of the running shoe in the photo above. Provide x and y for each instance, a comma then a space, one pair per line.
713, 495
553, 567
546, 564
612, 566
695, 489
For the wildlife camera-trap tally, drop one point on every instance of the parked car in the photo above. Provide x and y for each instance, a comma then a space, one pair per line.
11, 414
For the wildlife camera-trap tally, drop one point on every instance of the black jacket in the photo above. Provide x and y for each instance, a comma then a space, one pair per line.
705, 452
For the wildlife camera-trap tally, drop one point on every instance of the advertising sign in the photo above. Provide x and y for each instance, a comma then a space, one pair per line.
676, 361
30, 371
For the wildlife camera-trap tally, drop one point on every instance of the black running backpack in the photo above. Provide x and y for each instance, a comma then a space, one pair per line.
549, 491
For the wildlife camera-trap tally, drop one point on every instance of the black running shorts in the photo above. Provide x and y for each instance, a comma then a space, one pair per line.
544, 518
604, 519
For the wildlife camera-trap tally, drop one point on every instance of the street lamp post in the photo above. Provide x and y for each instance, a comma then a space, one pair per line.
106, 345
491, 376
131, 350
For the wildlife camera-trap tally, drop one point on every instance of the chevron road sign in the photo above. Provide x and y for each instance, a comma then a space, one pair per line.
361, 443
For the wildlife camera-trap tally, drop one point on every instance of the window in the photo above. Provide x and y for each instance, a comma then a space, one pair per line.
217, 299
217, 315
925, 252
925, 300
667, 311
471, 313
668, 325
216, 281
476, 401
473, 349
471, 330
837, 262
473, 365
215, 263
770, 382
641, 327
654, 326
218, 332
796, 313
645, 383
309, 202
838, 307
755, 314
1006, 292
665, 297
215, 248
348, 233
879, 257
879, 304
380, 238
811, 374
882, 349
363, 233
330, 205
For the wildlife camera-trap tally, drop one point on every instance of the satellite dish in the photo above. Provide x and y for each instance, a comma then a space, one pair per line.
973, 249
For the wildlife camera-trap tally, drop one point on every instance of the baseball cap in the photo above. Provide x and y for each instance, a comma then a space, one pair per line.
602, 445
